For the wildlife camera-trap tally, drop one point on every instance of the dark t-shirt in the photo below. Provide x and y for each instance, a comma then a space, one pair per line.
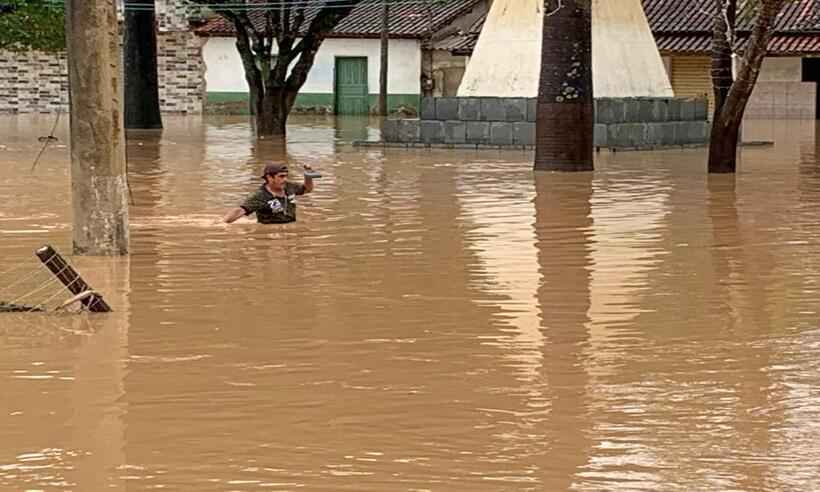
270, 209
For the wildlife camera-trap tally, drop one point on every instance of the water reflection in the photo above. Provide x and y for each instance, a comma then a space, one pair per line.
563, 227
434, 320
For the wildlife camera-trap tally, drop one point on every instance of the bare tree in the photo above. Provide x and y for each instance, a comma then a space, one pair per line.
298, 27
564, 126
732, 94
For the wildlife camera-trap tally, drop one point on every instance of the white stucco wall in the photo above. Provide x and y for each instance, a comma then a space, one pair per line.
224, 72
781, 69
625, 57
507, 57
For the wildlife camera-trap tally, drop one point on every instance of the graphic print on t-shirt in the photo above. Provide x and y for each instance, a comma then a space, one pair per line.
276, 206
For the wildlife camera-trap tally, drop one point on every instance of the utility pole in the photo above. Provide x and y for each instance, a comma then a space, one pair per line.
384, 59
564, 122
99, 186
427, 54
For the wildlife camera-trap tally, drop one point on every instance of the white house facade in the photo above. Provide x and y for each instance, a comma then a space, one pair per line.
360, 58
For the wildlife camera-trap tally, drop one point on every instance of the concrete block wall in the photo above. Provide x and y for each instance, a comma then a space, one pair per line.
510, 122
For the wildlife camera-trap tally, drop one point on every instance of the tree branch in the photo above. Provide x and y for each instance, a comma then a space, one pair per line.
756, 50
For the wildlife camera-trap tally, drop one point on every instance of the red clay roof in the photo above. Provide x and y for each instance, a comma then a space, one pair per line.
407, 20
685, 26
689, 16
780, 44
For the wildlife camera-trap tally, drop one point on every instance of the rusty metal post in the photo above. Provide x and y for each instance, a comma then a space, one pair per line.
71, 279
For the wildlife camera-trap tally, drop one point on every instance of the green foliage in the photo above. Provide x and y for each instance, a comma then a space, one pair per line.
32, 24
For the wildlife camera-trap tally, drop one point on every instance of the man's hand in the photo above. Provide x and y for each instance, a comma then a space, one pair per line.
308, 179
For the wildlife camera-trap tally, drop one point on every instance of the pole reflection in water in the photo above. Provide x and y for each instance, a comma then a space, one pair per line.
435, 320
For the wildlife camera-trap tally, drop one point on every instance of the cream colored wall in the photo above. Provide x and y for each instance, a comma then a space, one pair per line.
781, 69
506, 60
625, 58
507, 55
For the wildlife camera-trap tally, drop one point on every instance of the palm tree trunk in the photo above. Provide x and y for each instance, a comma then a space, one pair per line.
564, 126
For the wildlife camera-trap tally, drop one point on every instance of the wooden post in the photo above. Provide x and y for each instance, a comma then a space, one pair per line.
71, 279
99, 189
383, 74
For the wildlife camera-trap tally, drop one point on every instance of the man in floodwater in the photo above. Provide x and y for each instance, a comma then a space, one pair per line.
275, 201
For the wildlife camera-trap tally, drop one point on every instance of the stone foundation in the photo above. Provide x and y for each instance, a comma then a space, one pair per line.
635, 123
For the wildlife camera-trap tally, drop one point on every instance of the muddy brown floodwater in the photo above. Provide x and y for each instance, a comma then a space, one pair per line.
436, 320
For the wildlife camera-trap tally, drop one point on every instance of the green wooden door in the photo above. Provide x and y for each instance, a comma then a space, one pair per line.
352, 96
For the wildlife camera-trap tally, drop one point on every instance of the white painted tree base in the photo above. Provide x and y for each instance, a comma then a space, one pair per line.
507, 58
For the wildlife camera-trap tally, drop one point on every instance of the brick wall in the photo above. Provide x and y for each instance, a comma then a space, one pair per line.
181, 72
33, 82
37, 82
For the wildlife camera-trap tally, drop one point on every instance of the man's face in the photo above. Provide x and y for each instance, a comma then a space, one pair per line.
278, 180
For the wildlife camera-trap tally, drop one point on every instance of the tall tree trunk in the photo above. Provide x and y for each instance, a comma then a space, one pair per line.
722, 48
730, 104
140, 59
272, 119
564, 127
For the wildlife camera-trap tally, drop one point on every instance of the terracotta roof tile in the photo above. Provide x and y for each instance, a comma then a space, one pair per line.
407, 19
685, 26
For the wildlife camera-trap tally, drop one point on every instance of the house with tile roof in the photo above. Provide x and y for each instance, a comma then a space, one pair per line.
345, 76
787, 86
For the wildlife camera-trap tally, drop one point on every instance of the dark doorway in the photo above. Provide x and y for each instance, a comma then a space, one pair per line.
811, 73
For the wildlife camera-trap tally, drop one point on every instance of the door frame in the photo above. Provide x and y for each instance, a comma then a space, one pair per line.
336, 60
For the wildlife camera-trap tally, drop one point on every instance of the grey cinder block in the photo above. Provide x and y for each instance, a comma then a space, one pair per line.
501, 133
524, 133
674, 109
492, 109
611, 110
702, 109
633, 110
478, 131
390, 130
660, 110
532, 109
599, 135
516, 109
428, 108
687, 110
455, 132
432, 131
409, 131
446, 108
469, 108
646, 111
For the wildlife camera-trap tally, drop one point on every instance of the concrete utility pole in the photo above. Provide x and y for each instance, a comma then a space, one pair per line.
99, 188
383, 74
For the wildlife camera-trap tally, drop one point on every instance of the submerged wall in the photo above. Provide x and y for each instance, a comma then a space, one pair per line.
507, 57
634, 123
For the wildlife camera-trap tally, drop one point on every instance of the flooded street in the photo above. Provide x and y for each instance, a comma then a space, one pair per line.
435, 320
